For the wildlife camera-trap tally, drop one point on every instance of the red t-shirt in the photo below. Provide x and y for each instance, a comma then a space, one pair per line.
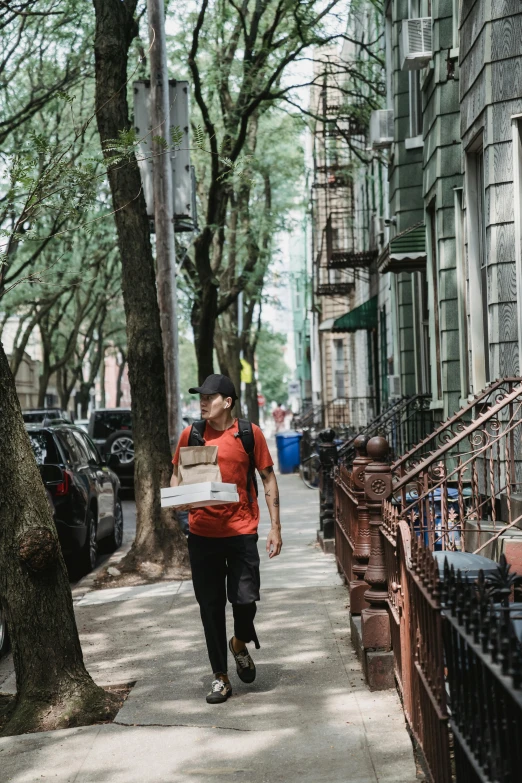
232, 519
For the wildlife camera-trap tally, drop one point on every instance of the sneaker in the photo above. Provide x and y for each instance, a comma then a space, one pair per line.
219, 692
245, 666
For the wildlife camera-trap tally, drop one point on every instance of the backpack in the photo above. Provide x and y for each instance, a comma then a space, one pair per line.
246, 435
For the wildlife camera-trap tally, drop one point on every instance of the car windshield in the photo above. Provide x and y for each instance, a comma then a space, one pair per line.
34, 418
44, 448
38, 417
107, 422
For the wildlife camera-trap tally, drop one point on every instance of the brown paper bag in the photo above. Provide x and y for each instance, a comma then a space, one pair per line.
198, 463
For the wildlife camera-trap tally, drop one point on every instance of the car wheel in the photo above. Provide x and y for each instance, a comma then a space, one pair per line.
4, 636
116, 538
90, 549
121, 444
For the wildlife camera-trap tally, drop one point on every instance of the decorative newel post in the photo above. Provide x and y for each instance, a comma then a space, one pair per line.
328, 458
377, 487
361, 552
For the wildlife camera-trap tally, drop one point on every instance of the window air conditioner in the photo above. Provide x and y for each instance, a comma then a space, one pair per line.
394, 386
381, 128
416, 43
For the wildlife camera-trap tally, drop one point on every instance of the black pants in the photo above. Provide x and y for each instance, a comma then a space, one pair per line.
222, 566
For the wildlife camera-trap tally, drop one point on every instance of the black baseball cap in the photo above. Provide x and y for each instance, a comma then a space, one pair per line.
216, 384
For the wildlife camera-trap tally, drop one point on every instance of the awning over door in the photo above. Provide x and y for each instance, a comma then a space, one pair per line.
362, 317
406, 252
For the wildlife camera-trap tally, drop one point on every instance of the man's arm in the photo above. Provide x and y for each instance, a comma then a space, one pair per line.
274, 541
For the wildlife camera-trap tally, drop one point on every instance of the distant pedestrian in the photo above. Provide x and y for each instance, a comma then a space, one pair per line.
279, 416
222, 540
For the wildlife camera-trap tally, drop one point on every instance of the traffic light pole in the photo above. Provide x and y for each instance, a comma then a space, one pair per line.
164, 213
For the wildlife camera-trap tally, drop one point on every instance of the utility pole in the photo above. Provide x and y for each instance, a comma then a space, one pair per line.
164, 213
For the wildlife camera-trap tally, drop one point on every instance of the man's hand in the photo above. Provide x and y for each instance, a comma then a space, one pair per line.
274, 542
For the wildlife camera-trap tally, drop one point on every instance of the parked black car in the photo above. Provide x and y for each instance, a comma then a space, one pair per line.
85, 492
111, 431
45, 416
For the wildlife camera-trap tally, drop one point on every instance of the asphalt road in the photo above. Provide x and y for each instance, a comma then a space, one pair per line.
129, 532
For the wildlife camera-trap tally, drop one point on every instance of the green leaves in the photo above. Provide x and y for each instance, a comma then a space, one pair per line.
199, 137
176, 135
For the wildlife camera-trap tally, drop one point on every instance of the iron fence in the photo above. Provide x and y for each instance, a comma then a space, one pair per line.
483, 655
461, 495
403, 423
457, 654
346, 504
416, 633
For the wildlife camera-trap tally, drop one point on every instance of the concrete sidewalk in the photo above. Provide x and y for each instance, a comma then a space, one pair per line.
308, 718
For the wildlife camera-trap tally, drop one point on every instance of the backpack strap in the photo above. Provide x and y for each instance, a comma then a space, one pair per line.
245, 433
197, 433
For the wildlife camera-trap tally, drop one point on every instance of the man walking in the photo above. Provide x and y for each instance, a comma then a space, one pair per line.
222, 540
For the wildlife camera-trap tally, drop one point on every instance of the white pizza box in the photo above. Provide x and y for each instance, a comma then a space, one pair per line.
201, 486
206, 497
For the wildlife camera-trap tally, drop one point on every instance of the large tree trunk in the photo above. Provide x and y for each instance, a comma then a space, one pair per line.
121, 371
228, 349
83, 396
203, 319
158, 536
51, 679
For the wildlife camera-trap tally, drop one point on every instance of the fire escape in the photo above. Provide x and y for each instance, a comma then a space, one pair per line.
339, 247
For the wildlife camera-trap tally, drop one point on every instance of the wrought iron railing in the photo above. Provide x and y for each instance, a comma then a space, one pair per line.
433, 440
460, 495
483, 657
403, 423
416, 633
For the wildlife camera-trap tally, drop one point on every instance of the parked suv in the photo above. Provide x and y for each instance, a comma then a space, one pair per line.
83, 490
45, 415
111, 431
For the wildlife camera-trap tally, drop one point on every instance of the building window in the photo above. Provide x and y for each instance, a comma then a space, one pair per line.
478, 267
299, 348
517, 193
422, 333
297, 296
436, 380
462, 304
456, 22
415, 105
482, 253
338, 368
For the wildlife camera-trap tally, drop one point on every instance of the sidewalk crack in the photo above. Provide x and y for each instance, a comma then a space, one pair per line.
178, 725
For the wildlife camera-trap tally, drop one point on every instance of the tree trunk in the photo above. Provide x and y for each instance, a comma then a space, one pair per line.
158, 536
121, 371
51, 679
227, 349
43, 383
83, 396
203, 319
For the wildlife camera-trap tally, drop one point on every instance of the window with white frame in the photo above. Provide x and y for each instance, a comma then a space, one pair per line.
517, 198
456, 22
415, 105
338, 368
478, 266
462, 299
297, 295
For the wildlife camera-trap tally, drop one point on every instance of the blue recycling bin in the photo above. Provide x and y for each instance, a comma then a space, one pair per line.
288, 451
